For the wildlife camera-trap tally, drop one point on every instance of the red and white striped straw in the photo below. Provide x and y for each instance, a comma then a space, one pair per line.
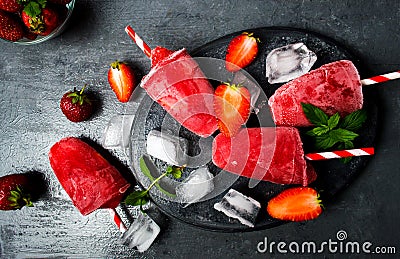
117, 220
139, 42
381, 78
341, 154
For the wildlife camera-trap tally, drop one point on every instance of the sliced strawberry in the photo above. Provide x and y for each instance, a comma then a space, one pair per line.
295, 204
122, 80
158, 54
232, 107
242, 50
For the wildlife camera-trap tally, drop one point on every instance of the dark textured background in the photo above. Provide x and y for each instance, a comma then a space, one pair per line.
33, 79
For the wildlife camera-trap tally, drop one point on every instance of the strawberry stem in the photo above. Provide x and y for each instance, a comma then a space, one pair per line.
19, 199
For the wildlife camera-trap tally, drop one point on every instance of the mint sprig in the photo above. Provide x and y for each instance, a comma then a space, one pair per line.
333, 131
140, 198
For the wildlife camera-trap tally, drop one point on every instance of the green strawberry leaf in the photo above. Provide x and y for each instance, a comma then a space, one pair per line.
32, 9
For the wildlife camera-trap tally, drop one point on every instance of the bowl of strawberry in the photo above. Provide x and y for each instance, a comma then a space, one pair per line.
29, 22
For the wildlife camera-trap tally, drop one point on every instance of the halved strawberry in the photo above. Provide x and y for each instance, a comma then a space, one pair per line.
295, 204
158, 54
122, 80
242, 50
231, 107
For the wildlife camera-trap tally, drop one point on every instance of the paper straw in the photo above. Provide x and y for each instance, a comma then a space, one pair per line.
341, 154
381, 78
139, 42
117, 220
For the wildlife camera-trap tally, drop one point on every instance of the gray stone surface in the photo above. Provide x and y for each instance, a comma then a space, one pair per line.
33, 79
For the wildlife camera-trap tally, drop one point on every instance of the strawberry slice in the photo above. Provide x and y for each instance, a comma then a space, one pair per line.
295, 204
158, 54
122, 80
242, 50
232, 107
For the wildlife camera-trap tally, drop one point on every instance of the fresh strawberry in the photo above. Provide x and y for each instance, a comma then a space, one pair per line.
76, 106
39, 18
158, 54
10, 28
13, 192
295, 204
231, 107
242, 50
11, 6
122, 80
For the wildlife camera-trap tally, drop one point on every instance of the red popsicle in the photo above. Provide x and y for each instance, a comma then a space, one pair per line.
177, 83
334, 87
268, 154
90, 180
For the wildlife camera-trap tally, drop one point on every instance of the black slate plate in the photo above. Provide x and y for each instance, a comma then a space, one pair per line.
333, 175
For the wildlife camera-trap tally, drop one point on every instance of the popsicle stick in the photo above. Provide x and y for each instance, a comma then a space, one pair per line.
341, 154
381, 78
139, 42
117, 220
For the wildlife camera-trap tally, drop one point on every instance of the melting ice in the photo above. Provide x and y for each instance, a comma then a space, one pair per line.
289, 62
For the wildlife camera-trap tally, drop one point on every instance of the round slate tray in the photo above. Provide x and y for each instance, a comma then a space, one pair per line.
333, 175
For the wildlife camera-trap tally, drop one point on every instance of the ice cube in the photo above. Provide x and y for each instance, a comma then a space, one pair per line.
169, 148
117, 131
247, 81
238, 206
141, 233
196, 186
204, 156
289, 62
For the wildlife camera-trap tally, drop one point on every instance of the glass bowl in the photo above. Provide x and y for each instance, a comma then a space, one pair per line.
53, 34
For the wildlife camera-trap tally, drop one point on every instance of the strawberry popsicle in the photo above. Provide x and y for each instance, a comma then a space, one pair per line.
268, 154
334, 87
176, 82
90, 180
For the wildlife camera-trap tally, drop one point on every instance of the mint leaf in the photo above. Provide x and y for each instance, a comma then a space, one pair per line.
342, 135
314, 114
325, 141
137, 198
318, 131
175, 171
333, 121
346, 145
145, 170
354, 120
